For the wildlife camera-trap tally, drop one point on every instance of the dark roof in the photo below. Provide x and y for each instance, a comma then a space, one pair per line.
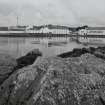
3, 28
57, 27
96, 28
16, 29
50, 26
21, 26
37, 27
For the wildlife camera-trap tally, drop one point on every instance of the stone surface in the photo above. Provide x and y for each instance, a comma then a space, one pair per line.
77, 52
7, 64
57, 81
28, 59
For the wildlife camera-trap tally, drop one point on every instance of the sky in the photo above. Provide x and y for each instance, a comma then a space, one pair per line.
61, 12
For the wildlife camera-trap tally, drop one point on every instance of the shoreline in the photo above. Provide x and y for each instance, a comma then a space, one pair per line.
48, 35
32, 35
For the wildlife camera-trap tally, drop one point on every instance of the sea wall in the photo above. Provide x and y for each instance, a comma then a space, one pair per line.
77, 79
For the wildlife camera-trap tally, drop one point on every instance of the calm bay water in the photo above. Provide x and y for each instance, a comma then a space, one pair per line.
20, 46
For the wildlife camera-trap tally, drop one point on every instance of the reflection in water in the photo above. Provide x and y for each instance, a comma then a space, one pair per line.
3, 41
20, 46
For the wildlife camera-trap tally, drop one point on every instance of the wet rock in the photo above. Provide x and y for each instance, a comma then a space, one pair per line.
7, 64
98, 52
101, 49
28, 59
75, 53
20, 86
57, 81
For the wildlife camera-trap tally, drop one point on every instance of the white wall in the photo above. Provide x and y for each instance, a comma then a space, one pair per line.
91, 32
46, 30
96, 32
4, 31
60, 31
53, 31
82, 32
16, 31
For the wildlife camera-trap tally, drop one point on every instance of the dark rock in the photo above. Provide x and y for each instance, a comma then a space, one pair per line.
75, 53
57, 81
28, 59
102, 101
98, 52
91, 49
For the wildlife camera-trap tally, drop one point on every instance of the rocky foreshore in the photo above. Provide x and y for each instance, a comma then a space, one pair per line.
73, 78
77, 52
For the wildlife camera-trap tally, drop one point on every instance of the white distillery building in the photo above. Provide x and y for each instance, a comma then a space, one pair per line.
13, 29
82, 32
49, 29
3, 30
17, 29
56, 31
92, 31
97, 35
96, 31
34, 29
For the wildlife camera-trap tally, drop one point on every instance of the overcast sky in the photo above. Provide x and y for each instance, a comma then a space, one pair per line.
62, 12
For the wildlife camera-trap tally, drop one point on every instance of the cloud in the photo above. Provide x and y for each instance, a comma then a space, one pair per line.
67, 12
90, 11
